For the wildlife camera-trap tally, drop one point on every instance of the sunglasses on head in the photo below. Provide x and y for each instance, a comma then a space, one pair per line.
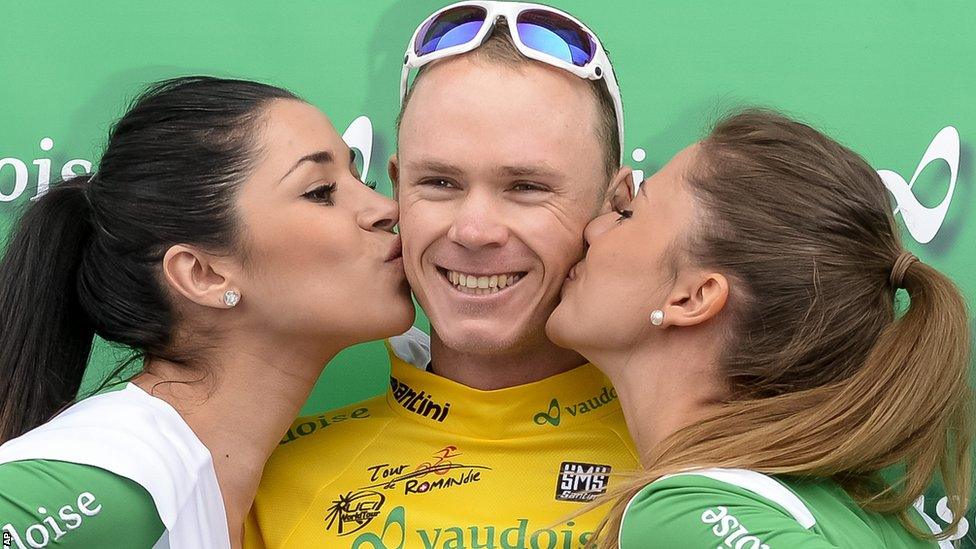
539, 32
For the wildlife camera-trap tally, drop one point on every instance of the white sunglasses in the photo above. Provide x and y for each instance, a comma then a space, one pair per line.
538, 31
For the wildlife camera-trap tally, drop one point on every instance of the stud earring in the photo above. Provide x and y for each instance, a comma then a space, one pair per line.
657, 317
232, 298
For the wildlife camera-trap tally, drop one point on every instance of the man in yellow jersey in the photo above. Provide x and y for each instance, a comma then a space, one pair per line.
509, 142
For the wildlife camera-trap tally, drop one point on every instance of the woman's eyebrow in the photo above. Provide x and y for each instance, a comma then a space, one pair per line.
320, 157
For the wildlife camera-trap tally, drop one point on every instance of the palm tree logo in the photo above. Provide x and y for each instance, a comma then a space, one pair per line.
355, 509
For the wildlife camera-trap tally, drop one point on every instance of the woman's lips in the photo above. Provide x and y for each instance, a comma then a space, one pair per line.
396, 251
574, 270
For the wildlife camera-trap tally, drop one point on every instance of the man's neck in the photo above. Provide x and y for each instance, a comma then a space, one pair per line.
507, 368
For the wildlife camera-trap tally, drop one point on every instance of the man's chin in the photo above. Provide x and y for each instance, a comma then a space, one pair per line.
486, 339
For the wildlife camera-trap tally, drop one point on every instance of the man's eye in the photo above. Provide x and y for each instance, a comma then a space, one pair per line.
438, 182
321, 193
624, 214
528, 187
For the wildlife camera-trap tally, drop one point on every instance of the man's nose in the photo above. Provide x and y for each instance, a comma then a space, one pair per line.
478, 222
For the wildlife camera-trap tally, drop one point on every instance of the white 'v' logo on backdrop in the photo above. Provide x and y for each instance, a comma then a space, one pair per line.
359, 136
922, 222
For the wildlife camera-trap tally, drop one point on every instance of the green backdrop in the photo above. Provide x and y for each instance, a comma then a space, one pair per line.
885, 77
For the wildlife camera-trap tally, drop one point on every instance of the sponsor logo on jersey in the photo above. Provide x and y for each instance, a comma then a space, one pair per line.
514, 535
420, 403
581, 481
730, 530
316, 423
54, 526
440, 472
353, 511
553, 415
944, 513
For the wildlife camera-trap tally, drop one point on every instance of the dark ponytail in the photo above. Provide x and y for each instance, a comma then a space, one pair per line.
46, 336
85, 258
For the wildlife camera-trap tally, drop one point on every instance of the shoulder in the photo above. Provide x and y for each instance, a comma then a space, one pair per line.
127, 432
138, 437
74, 505
150, 426
712, 507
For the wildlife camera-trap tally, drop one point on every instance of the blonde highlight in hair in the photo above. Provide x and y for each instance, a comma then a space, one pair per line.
825, 380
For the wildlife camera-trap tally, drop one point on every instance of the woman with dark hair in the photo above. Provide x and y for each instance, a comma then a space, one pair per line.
227, 239
745, 311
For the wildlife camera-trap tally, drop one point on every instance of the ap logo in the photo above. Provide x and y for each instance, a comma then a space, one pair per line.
922, 222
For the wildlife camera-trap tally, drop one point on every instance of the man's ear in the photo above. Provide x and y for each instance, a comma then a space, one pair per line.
696, 298
620, 190
393, 167
198, 276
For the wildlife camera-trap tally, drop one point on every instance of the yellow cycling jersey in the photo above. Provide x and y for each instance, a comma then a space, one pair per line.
436, 464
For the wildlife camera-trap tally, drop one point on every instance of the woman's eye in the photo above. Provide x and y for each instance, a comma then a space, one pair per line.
370, 183
321, 194
624, 214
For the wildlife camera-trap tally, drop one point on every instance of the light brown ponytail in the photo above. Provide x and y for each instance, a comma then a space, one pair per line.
831, 384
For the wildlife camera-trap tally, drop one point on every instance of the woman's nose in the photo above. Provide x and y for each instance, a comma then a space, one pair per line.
598, 226
382, 214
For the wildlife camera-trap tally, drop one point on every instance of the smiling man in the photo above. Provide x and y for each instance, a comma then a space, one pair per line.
490, 435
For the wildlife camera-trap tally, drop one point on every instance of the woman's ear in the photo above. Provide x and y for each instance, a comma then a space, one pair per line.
696, 298
198, 276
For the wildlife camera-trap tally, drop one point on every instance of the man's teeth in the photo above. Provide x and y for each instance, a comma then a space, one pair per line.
472, 284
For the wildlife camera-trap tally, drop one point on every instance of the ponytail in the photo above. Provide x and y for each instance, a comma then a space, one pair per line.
825, 379
45, 336
924, 412
909, 405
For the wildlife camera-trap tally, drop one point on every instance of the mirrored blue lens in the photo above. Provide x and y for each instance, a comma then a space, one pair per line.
451, 28
553, 34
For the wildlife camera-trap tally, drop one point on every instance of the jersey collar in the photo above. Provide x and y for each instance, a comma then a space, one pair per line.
558, 402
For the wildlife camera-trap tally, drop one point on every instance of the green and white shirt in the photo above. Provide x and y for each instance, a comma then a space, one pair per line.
741, 509
53, 503
118, 469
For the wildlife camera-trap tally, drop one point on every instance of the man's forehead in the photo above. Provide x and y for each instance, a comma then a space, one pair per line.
480, 118
465, 81
520, 168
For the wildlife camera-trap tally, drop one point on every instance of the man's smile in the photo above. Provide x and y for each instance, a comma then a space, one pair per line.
480, 284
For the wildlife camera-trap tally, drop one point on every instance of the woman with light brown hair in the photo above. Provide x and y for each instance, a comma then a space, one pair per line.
747, 311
